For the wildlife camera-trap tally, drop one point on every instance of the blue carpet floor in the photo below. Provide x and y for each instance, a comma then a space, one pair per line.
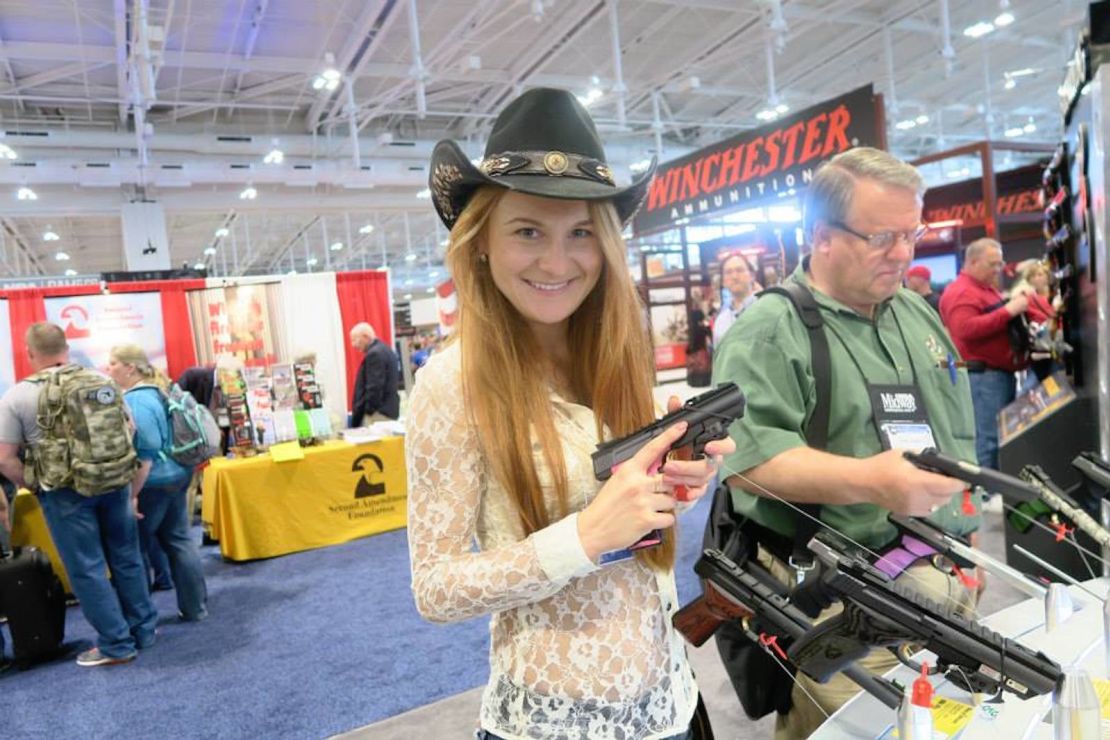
302, 646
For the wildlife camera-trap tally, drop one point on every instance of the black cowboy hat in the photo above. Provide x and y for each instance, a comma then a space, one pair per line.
543, 143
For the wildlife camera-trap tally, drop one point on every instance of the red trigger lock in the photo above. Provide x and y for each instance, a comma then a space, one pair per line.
772, 641
969, 582
968, 506
1062, 531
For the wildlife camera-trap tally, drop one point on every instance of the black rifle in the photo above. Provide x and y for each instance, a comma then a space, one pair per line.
733, 593
708, 417
1058, 500
960, 552
1014, 489
880, 613
1094, 469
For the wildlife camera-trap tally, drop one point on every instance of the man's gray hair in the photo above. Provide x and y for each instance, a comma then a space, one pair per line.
829, 195
364, 329
979, 247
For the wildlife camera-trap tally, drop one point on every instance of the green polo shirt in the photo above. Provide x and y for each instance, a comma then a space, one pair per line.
767, 353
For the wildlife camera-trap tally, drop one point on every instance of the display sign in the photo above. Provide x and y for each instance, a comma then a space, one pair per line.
93, 324
237, 322
7, 361
761, 164
1018, 192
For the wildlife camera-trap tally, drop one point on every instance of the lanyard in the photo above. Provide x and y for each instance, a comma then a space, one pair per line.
905, 346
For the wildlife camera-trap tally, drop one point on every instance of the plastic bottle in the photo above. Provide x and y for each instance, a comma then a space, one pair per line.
1075, 709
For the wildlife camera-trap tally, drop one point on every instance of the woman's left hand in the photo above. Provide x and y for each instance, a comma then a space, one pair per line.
690, 478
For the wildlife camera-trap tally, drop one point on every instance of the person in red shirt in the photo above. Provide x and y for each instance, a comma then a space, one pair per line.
920, 280
977, 316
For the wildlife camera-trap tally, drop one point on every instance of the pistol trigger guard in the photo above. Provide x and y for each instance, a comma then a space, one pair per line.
902, 652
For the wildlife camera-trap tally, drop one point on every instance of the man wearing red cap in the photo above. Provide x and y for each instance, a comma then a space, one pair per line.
919, 280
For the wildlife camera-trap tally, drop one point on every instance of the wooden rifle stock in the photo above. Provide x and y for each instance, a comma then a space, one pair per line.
698, 620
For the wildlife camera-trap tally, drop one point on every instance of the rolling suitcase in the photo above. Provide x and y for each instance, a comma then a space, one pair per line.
32, 598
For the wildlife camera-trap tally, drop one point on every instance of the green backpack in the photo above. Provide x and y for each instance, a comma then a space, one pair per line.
86, 434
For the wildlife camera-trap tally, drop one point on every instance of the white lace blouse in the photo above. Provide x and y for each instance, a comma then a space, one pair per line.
576, 650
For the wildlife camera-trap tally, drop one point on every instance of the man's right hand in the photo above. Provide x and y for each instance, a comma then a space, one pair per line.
1018, 304
903, 488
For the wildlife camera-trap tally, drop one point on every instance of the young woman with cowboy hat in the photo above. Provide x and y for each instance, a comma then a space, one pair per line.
549, 357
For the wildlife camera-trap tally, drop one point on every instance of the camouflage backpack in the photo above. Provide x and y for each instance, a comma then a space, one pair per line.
86, 434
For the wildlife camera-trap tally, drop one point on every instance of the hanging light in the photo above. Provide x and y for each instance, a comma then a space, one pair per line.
50, 236
336, 246
311, 261
61, 257
248, 193
6, 152
25, 193
276, 156
70, 272
368, 228
210, 251
199, 266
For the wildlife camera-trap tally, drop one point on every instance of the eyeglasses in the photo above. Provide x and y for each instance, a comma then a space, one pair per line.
884, 240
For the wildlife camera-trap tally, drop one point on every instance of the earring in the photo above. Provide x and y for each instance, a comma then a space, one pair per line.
483, 258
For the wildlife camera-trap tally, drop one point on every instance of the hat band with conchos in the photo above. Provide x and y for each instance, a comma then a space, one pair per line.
550, 163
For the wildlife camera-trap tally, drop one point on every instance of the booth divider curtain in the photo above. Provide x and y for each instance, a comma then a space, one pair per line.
313, 324
26, 307
363, 296
181, 351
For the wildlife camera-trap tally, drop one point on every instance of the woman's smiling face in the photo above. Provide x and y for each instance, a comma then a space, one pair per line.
544, 256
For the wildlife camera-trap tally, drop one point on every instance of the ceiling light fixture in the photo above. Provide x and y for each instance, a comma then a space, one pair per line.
1029, 127
71, 272
276, 156
330, 77
336, 246
1003, 19
906, 125
249, 193
311, 261
407, 296
6, 152
368, 228
210, 251
921, 120
410, 257
592, 95
25, 193
424, 194
1014, 131
221, 232
50, 236
978, 30
1010, 83
200, 266
61, 257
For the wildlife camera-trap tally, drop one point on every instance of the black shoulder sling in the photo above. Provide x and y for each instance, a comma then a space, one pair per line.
760, 684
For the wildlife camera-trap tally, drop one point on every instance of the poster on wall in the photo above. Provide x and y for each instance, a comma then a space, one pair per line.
238, 323
93, 324
7, 362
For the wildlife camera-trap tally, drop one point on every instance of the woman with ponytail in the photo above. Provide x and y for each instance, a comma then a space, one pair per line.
160, 484
549, 357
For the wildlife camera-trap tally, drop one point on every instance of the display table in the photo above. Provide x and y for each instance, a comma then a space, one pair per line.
29, 528
1077, 641
258, 508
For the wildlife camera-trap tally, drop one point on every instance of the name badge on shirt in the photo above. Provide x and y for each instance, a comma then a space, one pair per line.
614, 556
900, 417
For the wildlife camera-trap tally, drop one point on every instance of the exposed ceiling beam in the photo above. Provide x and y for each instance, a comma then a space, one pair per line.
248, 48
122, 55
256, 91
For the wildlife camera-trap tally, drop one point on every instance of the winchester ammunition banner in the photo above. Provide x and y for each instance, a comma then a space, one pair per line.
1018, 192
761, 164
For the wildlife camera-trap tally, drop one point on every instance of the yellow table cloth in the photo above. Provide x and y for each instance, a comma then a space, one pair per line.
258, 508
29, 528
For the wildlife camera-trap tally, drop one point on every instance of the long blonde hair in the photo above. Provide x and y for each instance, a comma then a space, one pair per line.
134, 355
505, 385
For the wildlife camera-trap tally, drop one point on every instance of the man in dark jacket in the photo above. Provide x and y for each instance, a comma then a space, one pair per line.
375, 392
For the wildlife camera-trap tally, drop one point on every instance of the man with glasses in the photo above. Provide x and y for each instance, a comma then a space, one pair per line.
978, 317
891, 388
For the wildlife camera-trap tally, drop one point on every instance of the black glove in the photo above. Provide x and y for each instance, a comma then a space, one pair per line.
813, 596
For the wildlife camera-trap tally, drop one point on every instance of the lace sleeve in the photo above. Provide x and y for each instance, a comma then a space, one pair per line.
447, 479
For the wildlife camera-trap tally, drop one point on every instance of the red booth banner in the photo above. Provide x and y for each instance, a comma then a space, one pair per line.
762, 164
364, 296
25, 307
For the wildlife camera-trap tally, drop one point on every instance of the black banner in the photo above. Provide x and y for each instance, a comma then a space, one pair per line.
1018, 192
758, 165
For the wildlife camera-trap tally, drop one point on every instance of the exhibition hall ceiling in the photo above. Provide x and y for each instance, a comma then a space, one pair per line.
185, 102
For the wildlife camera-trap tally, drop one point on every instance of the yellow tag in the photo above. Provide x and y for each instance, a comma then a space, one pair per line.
950, 716
1050, 386
1102, 688
286, 452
